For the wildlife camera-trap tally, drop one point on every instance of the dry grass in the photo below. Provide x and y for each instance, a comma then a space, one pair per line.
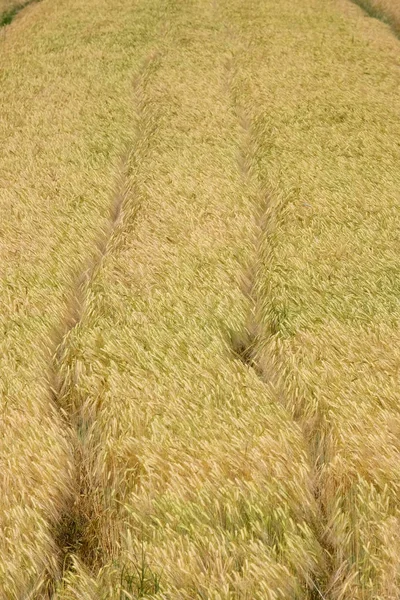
180, 463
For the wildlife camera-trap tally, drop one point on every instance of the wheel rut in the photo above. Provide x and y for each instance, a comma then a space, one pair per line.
74, 534
250, 344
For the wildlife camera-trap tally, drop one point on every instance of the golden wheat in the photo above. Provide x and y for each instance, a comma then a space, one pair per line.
195, 482
220, 418
166, 515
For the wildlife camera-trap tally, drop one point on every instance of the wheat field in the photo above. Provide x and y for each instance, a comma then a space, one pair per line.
199, 301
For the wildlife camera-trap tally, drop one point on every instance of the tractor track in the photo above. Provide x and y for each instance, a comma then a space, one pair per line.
73, 533
249, 345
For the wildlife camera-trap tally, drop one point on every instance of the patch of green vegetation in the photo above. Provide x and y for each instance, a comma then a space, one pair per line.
7, 17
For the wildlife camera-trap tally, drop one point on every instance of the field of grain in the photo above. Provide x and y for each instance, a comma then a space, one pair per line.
199, 301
